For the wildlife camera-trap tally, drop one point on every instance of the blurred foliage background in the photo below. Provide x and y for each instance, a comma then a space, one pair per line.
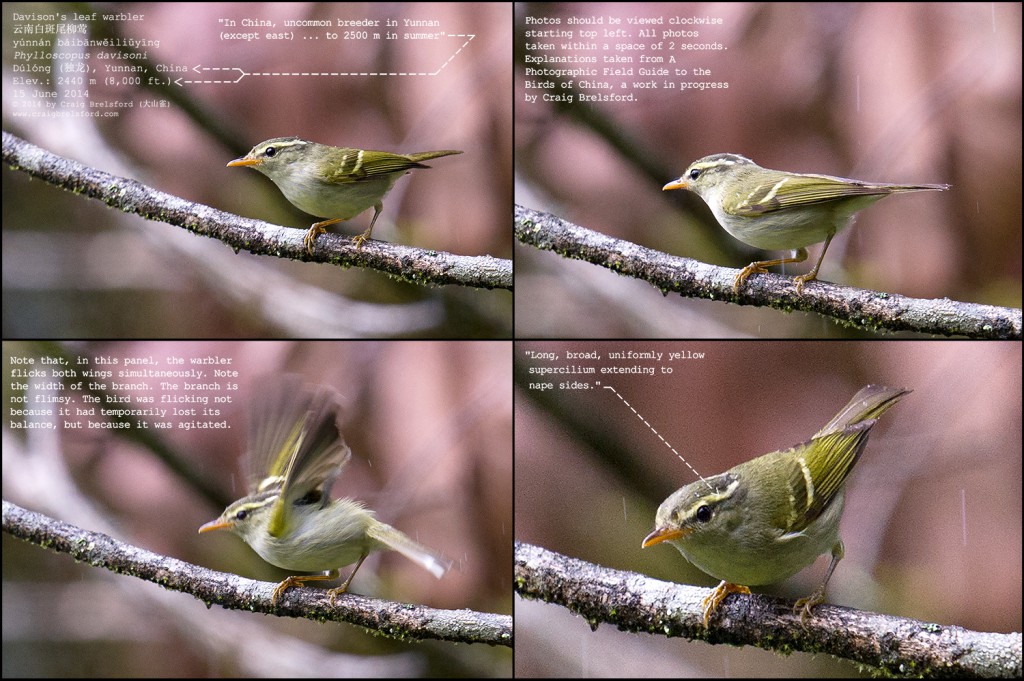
430, 427
72, 268
932, 524
894, 92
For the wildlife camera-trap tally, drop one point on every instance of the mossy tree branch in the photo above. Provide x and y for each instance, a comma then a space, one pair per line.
397, 620
859, 308
414, 265
633, 602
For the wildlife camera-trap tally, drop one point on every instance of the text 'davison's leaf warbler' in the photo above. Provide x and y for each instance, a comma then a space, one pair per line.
770, 517
289, 518
337, 183
775, 210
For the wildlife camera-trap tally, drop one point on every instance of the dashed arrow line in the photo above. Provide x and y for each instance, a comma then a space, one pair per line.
243, 74
653, 430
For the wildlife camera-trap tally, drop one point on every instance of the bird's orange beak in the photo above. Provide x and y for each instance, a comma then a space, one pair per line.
662, 534
244, 161
214, 525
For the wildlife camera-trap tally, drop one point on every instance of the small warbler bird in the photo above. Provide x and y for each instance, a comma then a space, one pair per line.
288, 517
768, 518
775, 210
332, 182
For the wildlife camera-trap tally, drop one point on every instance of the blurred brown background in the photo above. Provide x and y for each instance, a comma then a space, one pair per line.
430, 427
72, 268
932, 524
905, 93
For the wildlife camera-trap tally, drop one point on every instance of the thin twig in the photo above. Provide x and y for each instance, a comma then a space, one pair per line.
633, 602
413, 265
859, 308
397, 620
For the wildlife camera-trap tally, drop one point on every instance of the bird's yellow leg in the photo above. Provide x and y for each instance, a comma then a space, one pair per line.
813, 274
717, 595
761, 267
315, 231
805, 605
344, 587
299, 580
361, 239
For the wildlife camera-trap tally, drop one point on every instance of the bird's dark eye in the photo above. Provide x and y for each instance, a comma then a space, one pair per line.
695, 173
242, 515
704, 514
271, 151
